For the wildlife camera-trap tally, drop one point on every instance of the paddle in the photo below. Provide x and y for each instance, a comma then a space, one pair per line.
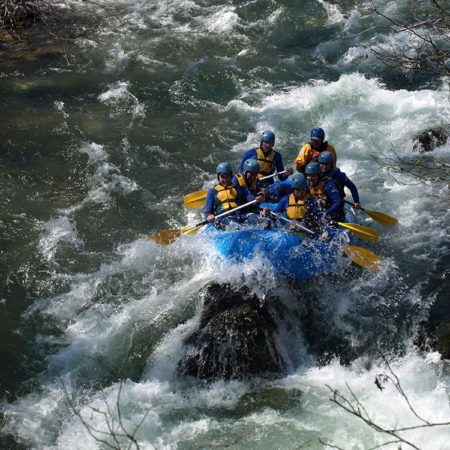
197, 198
359, 255
295, 224
363, 257
166, 237
378, 216
272, 175
363, 232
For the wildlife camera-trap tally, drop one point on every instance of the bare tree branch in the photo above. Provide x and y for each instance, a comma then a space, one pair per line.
117, 436
89, 428
354, 407
422, 169
430, 49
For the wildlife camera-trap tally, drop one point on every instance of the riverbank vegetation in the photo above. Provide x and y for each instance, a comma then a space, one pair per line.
420, 48
422, 41
16, 15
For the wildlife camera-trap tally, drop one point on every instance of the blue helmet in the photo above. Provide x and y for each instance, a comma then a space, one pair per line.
251, 165
313, 168
326, 157
299, 181
223, 167
268, 136
317, 133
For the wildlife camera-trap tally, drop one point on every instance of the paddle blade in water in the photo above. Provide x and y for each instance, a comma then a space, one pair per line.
165, 237
361, 231
383, 218
363, 257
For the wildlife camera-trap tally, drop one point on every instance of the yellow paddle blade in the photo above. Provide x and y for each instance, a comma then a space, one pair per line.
191, 231
195, 199
195, 203
166, 237
361, 231
363, 257
380, 217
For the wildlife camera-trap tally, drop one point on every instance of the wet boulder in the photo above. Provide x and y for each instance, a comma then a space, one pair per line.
430, 139
236, 337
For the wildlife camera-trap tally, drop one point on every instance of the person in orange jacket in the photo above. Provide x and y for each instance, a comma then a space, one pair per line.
310, 152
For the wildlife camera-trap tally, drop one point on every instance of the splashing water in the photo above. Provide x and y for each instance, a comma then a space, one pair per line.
99, 153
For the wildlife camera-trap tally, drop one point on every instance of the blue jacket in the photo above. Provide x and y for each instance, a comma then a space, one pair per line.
344, 181
335, 199
278, 160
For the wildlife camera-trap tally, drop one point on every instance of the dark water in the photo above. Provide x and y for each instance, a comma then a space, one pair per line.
101, 137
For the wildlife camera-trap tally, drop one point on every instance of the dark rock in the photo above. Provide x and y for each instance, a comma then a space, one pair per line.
236, 337
428, 140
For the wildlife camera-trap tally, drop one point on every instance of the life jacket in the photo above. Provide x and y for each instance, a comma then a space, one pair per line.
266, 162
297, 209
244, 183
225, 198
319, 192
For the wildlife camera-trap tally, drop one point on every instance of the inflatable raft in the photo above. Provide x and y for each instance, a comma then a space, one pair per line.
293, 255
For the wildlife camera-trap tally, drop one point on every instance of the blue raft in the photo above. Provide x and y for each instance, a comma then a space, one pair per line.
293, 255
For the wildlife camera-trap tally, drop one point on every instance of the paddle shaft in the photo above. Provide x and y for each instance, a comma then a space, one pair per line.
273, 175
352, 204
364, 232
204, 222
360, 256
293, 223
195, 199
365, 210
379, 216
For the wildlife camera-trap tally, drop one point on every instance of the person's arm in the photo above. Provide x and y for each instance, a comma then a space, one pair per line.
209, 206
334, 198
280, 168
243, 195
249, 154
278, 160
247, 195
282, 205
303, 158
353, 189
279, 208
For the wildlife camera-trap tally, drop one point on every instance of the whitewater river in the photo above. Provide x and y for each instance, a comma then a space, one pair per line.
102, 136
